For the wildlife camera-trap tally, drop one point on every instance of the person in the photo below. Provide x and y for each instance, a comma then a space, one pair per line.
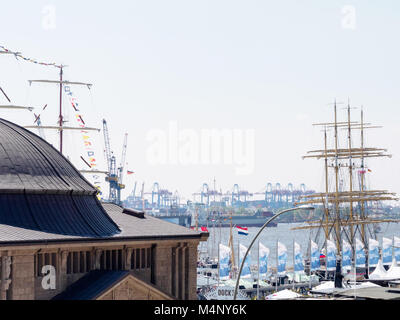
338, 275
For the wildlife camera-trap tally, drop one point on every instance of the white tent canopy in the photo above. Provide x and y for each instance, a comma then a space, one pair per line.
379, 273
283, 295
394, 270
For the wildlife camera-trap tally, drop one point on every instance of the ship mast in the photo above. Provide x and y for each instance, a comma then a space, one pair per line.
60, 116
61, 126
350, 174
362, 214
337, 213
326, 208
341, 158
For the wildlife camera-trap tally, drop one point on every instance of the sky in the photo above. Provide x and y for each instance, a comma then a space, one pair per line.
173, 73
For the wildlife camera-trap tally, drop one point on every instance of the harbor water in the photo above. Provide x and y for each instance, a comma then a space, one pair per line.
271, 235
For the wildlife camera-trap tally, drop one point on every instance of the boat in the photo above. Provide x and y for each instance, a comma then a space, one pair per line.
345, 204
257, 219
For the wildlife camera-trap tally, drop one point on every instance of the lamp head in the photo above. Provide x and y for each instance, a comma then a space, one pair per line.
306, 207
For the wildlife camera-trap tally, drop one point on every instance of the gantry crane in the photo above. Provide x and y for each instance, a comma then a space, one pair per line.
115, 175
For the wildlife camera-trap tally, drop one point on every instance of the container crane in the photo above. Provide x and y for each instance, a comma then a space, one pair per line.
121, 169
114, 176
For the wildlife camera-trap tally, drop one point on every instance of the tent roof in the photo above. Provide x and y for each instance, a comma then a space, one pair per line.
379, 272
394, 270
284, 294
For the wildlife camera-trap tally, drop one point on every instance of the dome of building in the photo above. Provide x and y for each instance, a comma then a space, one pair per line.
41, 190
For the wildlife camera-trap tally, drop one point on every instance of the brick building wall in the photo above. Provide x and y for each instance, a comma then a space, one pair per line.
168, 265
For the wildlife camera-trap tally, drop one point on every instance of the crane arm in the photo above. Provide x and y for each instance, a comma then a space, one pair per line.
122, 164
107, 150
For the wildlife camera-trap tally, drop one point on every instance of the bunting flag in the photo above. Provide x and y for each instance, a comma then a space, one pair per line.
282, 258
360, 254
396, 248
330, 255
224, 262
263, 254
246, 272
346, 255
386, 251
315, 262
19, 55
373, 252
242, 230
90, 156
298, 258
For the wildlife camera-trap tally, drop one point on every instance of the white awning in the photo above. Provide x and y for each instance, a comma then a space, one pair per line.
283, 295
394, 270
379, 273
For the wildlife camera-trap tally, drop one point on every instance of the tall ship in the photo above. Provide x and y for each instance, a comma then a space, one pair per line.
346, 205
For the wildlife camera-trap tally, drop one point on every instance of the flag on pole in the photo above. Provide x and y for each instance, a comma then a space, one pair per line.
130, 172
263, 254
330, 255
242, 230
360, 254
346, 255
298, 258
396, 248
373, 252
204, 229
246, 272
224, 262
386, 251
282, 258
315, 263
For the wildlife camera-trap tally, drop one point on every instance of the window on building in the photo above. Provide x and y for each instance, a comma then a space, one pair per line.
79, 262
141, 258
148, 253
137, 259
43, 259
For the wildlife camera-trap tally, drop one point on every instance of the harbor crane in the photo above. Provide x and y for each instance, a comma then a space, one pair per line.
115, 175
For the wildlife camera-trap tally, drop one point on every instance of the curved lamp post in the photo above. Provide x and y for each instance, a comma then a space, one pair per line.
255, 238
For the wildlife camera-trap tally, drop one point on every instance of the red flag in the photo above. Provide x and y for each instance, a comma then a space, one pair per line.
130, 172
204, 229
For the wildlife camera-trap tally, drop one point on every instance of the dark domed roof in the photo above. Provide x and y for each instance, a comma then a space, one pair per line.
41, 190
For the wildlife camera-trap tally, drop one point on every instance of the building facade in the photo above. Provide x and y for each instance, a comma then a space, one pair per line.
57, 241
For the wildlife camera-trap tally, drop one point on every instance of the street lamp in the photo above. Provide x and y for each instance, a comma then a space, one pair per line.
255, 238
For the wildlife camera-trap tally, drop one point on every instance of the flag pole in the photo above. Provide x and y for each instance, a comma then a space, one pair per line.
355, 268
238, 255
258, 268
219, 265
277, 261
368, 261
310, 264
294, 263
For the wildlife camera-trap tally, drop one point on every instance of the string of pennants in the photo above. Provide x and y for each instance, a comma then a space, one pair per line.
390, 253
19, 55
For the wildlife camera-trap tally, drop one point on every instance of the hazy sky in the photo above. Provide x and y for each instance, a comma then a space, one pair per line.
268, 69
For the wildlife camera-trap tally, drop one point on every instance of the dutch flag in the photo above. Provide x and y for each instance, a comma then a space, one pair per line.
242, 230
